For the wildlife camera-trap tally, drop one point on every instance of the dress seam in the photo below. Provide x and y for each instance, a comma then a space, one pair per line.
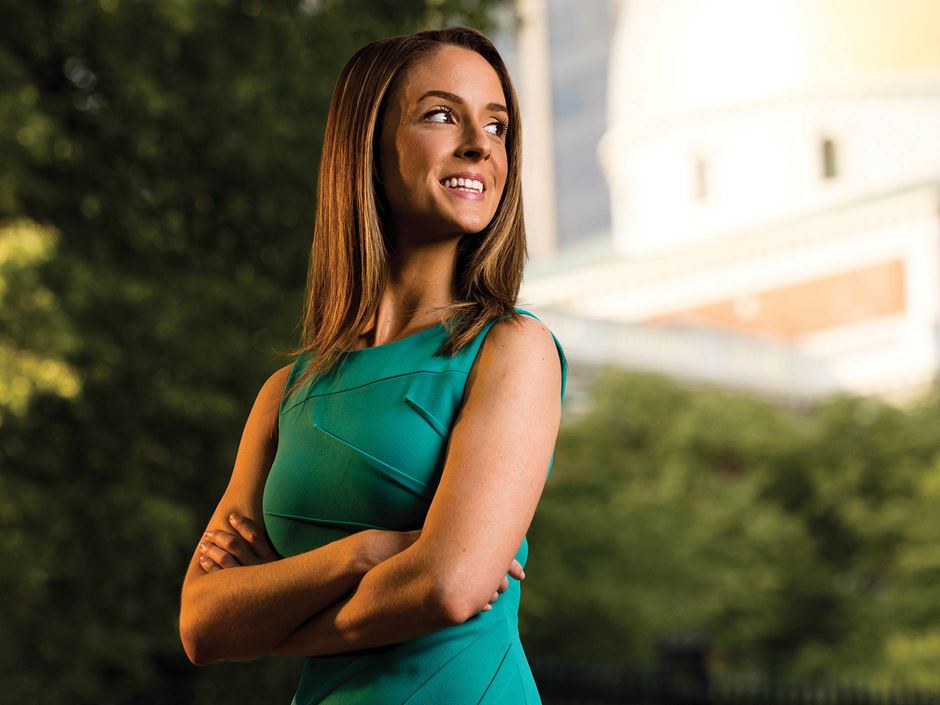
442, 666
496, 673
525, 697
366, 384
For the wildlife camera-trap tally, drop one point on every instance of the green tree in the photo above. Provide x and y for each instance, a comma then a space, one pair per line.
802, 542
158, 199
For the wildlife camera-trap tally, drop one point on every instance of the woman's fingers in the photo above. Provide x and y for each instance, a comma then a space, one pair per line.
209, 548
221, 543
489, 605
247, 545
503, 586
515, 569
253, 536
207, 564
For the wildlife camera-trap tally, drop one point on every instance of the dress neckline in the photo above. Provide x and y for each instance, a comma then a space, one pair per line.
418, 334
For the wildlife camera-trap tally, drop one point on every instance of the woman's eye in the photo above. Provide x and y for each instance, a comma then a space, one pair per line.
501, 126
436, 111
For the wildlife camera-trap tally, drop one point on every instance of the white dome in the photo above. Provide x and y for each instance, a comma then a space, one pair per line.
719, 112
674, 57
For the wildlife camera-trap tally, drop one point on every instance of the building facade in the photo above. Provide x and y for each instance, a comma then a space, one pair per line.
772, 172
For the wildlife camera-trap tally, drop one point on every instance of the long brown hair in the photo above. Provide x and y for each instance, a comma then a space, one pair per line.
348, 265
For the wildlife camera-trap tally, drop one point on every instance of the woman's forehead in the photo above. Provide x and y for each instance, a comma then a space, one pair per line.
462, 73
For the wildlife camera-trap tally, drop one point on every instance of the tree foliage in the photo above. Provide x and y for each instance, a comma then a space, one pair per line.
156, 210
803, 542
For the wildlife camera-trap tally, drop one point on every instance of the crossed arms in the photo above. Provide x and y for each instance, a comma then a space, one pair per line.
493, 478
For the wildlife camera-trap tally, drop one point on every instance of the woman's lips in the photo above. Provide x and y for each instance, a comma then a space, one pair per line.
469, 195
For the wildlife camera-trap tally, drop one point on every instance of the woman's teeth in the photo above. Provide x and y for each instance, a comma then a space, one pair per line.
464, 184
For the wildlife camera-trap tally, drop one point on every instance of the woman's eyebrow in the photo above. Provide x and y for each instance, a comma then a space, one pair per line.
453, 97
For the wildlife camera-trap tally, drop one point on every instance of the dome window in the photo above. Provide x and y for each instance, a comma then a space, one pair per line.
701, 179
828, 159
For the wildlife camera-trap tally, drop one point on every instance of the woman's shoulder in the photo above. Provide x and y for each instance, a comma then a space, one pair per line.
277, 381
521, 339
272, 391
514, 346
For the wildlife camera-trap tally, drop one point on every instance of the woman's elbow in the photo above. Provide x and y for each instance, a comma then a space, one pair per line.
199, 652
456, 602
192, 631
191, 645
453, 611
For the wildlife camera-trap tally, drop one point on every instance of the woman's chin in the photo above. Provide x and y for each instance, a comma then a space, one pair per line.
463, 223
470, 225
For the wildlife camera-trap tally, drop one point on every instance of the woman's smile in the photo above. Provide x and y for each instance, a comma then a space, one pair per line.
464, 192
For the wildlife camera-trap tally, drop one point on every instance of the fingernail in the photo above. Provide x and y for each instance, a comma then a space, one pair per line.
523, 574
202, 546
233, 517
487, 607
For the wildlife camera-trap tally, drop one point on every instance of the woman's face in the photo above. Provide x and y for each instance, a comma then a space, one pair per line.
427, 138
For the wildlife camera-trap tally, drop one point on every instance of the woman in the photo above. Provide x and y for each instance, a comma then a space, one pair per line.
397, 463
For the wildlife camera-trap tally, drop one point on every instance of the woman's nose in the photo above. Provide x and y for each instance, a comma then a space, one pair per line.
474, 141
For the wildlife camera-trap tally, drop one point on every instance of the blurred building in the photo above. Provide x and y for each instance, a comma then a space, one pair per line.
771, 172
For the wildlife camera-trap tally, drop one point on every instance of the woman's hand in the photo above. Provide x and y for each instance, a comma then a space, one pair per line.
516, 571
376, 545
248, 545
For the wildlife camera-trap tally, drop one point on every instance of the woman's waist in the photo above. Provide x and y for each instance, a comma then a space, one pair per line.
501, 621
471, 644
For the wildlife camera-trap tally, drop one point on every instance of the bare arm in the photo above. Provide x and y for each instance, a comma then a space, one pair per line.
396, 601
497, 461
489, 490
241, 614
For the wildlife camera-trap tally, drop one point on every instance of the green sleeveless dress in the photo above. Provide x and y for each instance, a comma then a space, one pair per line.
364, 449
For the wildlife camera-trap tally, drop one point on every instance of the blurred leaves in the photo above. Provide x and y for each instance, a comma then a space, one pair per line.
35, 334
156, 210
803, 542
